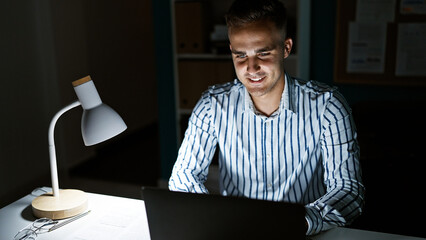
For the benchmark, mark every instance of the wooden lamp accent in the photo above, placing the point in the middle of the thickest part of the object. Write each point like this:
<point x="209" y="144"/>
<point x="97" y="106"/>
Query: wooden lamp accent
<point x="70" y="202"/>
<point x="81" y="81"/>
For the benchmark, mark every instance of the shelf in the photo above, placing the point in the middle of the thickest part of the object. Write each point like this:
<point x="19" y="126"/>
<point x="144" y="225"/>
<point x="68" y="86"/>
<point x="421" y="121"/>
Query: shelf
<point x="212" y="56"/>
<point x="203" y="56"/>
<point x="201" y="63"/>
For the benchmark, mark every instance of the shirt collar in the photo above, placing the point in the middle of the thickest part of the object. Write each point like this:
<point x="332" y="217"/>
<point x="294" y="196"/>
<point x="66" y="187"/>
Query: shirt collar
<point x="287" y="100"/>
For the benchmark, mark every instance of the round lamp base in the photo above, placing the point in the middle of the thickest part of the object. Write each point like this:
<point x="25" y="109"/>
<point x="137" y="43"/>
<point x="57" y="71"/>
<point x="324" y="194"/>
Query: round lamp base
<point x="70" y="202"/>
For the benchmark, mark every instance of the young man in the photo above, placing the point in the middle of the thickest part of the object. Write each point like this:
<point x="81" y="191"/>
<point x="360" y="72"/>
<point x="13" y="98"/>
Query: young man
<point x="280" y="138"/>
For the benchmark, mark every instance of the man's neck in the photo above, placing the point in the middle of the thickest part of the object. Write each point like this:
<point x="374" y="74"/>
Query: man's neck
<point x="269" y="103"/>
<point x="265" y="107"/>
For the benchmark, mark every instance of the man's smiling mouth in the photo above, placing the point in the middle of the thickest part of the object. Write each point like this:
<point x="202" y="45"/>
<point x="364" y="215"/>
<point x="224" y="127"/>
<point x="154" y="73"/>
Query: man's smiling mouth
<point x="256" y="79"/>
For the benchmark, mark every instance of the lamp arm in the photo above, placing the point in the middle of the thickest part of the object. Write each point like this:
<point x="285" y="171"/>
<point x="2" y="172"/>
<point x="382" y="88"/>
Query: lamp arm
<point x="52" y="151"/>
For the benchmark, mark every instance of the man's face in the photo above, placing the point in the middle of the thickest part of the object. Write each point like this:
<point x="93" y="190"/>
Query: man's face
<point x="258" y="51"/>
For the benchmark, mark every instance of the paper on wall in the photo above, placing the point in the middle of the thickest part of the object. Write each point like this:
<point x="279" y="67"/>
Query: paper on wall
<point x="375" y="10"/>
<point x="411" y="50"/>
<point x="413" y="7"/>
<point x="366" y="47"/>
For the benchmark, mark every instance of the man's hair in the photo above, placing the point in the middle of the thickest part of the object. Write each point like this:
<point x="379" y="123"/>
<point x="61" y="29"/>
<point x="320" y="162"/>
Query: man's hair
<point x="243" y="12"/>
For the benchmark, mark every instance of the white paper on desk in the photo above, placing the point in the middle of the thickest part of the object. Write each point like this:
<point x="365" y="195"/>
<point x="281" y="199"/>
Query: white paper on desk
<point x="413" y="7"/>
<point x="116" y="223"/>
<point x="375" y="10"/>
<point x="411" y="50"/>
<point x="366" y="47"/>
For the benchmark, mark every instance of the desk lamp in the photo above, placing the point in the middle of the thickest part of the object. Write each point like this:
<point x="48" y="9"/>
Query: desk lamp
<point x="98" y="123"/>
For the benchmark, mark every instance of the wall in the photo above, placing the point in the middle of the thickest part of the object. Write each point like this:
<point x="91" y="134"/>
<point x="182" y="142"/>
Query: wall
<point x="25" y="100"/>
<point x="390" y="133"/>
<point x="44" y="46"/>
<point x="322" y="61"/>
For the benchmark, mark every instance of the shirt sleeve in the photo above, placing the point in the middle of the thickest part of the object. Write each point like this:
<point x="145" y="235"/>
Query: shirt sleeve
<point x="344" y="198"/>
<point x="196" y="151"/>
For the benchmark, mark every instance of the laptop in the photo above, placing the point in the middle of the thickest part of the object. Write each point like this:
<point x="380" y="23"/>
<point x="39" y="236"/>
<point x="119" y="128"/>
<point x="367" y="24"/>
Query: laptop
<point x="191" y="216"/>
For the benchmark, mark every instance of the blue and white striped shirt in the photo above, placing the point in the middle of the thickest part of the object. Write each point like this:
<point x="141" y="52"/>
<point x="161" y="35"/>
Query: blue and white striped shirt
<point x="305" y="152"/>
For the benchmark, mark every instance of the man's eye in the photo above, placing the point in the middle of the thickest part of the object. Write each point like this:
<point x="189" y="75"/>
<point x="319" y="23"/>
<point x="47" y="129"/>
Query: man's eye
<point x="263" y="54"/>
<point x="241" y="56"/>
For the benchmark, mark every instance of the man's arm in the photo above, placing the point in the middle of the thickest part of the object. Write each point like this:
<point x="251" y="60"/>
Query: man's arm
<point x="196" y="152"/>
<point x="344" y="199"/>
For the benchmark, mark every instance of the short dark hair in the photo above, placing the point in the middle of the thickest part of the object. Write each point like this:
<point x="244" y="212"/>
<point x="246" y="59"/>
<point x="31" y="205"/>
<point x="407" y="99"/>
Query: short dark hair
<point x="243" y="12"/>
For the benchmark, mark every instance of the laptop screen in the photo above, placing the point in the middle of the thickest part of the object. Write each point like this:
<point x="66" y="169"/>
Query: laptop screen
<point x="179" y="216"/>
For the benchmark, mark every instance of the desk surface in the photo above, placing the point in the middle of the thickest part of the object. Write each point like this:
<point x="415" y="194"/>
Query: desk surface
<point x="124" y="218"/>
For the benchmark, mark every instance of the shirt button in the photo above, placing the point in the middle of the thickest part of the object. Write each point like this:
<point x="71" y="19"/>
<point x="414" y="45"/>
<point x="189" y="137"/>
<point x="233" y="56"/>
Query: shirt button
<point x="268" y="155"/>
<point x="269" y="185"/>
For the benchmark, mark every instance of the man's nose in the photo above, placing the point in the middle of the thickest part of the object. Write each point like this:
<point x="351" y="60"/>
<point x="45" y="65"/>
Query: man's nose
<point x="253" y="65"/>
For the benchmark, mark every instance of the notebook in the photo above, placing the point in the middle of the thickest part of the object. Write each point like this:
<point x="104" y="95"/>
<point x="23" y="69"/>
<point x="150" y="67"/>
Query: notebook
<point x="190" y="216"/>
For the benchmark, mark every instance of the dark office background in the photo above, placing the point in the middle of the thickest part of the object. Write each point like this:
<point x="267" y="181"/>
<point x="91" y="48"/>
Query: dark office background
<point x="126" y="47"/>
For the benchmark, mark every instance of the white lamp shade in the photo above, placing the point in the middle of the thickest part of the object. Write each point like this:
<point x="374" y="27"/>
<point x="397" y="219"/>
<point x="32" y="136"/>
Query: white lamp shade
<point x="100" y="123"/>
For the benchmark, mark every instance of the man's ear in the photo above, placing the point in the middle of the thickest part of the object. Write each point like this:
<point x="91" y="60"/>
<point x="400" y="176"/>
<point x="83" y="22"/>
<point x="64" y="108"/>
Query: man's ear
<point x="230" y="47"/>
<point x="288" y="44"/>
